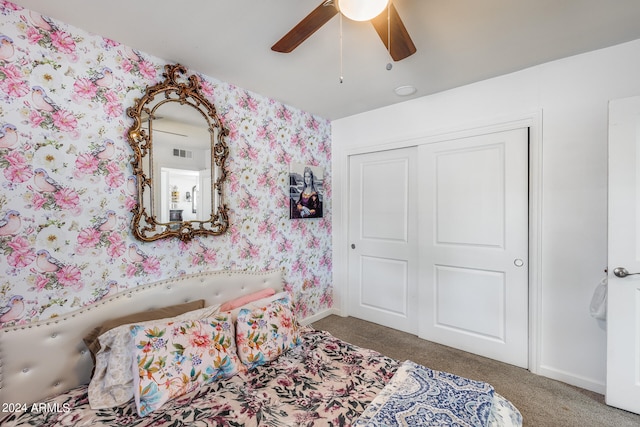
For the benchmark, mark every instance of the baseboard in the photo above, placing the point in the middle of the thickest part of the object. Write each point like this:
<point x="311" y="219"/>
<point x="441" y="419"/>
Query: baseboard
<point x="574" y="380"/>
<point x="321" y="315"/>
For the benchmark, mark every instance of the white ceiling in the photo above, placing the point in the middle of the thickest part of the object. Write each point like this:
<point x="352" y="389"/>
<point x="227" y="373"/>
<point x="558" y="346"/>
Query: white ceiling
<point x="458" y="42"/>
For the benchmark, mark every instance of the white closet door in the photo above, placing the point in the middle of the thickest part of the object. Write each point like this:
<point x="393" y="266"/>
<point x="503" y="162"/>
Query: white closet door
<point x="383" y="239"/>
<point x="473" y="216"/>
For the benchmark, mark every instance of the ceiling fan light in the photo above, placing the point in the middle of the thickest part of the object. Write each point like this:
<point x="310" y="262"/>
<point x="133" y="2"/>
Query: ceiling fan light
<point x="362" y="10"/>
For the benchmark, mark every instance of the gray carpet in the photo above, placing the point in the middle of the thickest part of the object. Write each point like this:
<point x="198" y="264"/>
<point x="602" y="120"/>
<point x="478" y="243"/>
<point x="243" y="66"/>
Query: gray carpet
<point x="541" y="401"/>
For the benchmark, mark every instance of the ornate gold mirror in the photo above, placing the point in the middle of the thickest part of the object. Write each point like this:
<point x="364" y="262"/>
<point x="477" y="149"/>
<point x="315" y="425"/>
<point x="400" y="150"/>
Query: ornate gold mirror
<point x="179" y="156"/>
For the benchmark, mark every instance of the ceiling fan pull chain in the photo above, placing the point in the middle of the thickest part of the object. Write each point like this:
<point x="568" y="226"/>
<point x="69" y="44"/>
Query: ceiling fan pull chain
<point x="389" y="28"/>
<point x="341" y="74"/>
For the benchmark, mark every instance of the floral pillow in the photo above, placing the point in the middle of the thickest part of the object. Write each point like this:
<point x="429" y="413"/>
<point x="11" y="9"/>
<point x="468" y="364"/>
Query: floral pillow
<point x="112" y="381"/>
<point x="175" y="358"/>
<point x="264" y="333"/>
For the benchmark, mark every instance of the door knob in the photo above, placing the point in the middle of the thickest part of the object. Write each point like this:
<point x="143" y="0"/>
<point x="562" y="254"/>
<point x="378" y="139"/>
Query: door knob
<point x="353" y="246"/>
<point x="622" y="272"/>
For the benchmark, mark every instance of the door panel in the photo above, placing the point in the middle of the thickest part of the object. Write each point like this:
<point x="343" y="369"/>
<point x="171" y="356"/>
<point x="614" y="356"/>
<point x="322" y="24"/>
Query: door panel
<point x="375" y="292"/>
<point x="473" y="210"/>
<point x="382" y="235"/>
<point x="470" y="301"/>
<point x="623" y="299"/>
<point x="384" y="185"/>
<point x="468" y="210"/>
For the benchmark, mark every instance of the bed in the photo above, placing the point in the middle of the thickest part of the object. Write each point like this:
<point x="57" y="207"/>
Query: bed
<point x="308" y="378"/>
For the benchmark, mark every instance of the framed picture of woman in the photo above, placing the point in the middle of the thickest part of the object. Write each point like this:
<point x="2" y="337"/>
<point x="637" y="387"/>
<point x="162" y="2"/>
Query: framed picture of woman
<point x="305" y="191"/>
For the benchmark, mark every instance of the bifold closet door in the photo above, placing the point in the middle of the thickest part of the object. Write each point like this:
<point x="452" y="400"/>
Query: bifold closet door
<point x="473" y="222"/>
<point x="383" y="248"/>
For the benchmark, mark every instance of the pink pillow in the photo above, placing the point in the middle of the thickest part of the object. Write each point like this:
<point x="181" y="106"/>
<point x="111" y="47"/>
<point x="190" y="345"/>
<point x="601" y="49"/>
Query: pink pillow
<point x="245" y="299"/>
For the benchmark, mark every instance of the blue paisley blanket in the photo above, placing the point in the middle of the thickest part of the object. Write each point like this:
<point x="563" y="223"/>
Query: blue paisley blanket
<point x="419" y="396"/>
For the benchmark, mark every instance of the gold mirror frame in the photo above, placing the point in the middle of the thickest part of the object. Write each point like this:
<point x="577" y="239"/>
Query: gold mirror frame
<point x="178" y="89"/>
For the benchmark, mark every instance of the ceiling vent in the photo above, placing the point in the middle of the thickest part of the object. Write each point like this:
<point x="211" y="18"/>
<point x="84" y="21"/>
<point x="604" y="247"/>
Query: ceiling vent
<point x="185" y="154"/>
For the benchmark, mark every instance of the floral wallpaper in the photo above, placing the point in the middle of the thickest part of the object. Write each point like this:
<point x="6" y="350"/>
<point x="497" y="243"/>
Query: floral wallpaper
<point x="64" y="172"/>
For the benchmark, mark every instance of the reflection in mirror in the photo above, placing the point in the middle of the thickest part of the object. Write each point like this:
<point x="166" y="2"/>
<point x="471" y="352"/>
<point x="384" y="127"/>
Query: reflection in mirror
<point x="179" y="160"/>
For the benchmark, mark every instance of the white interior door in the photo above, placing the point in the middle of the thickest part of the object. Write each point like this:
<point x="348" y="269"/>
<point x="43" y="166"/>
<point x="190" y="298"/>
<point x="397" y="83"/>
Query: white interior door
<point x="382" y="238"/>
<point x="473" y="210"/>
<point x="203" y="202"/>
<point x="623" y="308"/>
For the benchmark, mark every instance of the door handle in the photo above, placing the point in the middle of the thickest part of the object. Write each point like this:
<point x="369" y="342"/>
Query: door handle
<point x="622" y="272"/>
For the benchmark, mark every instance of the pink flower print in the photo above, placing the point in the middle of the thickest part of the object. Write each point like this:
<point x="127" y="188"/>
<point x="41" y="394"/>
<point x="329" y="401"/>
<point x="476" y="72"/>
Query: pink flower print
<point x="325" y="261"/>
<point x="312" y="123"/>
<point x="116" y="246"/>
<point x="64" y="120"/>
<point x="111" y="97"/>
<point x="284" y="114"/>
<point x="38" y="201"/>
<point x="326" y="299"/>
<point x="36" y="118"/>
<point x="15" y="158"/>
<point x="296" y="141"/>
<point x="11" y="72"/>
<point x="247" y="102"/>
<point x="84" y="88"/>
<point x="235" y="235"/>
<point x="262" y="133"/>
<point x="131" y="270"/>
<point x="89" y="237"/>
<point x="63" y="42"/>
<point x="19" y="244"/>
<point x="69" y="276"/>
<point x="18" y="174"/>
<point x="263" y="227"/>
<point x="147" y="70"/>
<point x="15" y="88"/>
<point x="199" y="339"/>
<point x="114" y="180"/>
<point x="206" y="88"/>
<point x="130" y="203"/>
<point x="113" y="109"/>
<point x="33" y="35"/>
<point x="41" y="282"/>
<point x="21" y="258"/>
<point x="67" y="198"/>
<point x="110" y="43"/>
<point x="210" y="256"/>
<point x="233" y="131"/>
<point x="302" y="309"/>
<point x="299" y="267"/>
<point x="113" y="168"/>
<point x="127" y="66"/>
<point x="234" y="183"/>
<point x="286" y="246"/>
<point x="87" y="163"/>
<point x="151" y="265"/>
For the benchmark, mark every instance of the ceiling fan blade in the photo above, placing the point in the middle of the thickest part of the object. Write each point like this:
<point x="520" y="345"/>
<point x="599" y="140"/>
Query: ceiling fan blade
<point x="309" y="25"/>
<point x="401" y="44"/>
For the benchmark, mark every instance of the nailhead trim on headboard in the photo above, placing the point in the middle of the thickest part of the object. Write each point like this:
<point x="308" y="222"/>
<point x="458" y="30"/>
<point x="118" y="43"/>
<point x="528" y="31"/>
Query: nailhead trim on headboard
<point x="45" y="358"/>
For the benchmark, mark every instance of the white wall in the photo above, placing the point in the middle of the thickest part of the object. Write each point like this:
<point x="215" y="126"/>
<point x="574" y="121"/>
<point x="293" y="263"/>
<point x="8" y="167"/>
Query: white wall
<point x="572" y="97"/>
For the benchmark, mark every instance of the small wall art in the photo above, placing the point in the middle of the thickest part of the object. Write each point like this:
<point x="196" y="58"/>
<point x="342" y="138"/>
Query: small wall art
<point x="305" y="191"/>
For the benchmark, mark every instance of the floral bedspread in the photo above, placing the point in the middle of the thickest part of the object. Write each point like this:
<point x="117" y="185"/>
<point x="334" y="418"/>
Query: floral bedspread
<point x="322" y="382"/>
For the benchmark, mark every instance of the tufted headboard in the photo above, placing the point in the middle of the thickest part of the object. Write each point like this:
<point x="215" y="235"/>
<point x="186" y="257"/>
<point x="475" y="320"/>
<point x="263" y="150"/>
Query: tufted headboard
<point x="49" y="357"/>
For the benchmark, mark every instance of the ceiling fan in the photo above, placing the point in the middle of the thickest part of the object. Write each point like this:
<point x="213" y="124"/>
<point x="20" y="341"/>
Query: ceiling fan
<point x="392" y="31"/>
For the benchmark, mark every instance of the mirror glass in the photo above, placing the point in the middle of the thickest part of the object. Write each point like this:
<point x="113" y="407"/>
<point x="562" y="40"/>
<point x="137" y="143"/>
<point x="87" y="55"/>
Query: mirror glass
<point x="179" y="155"/>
